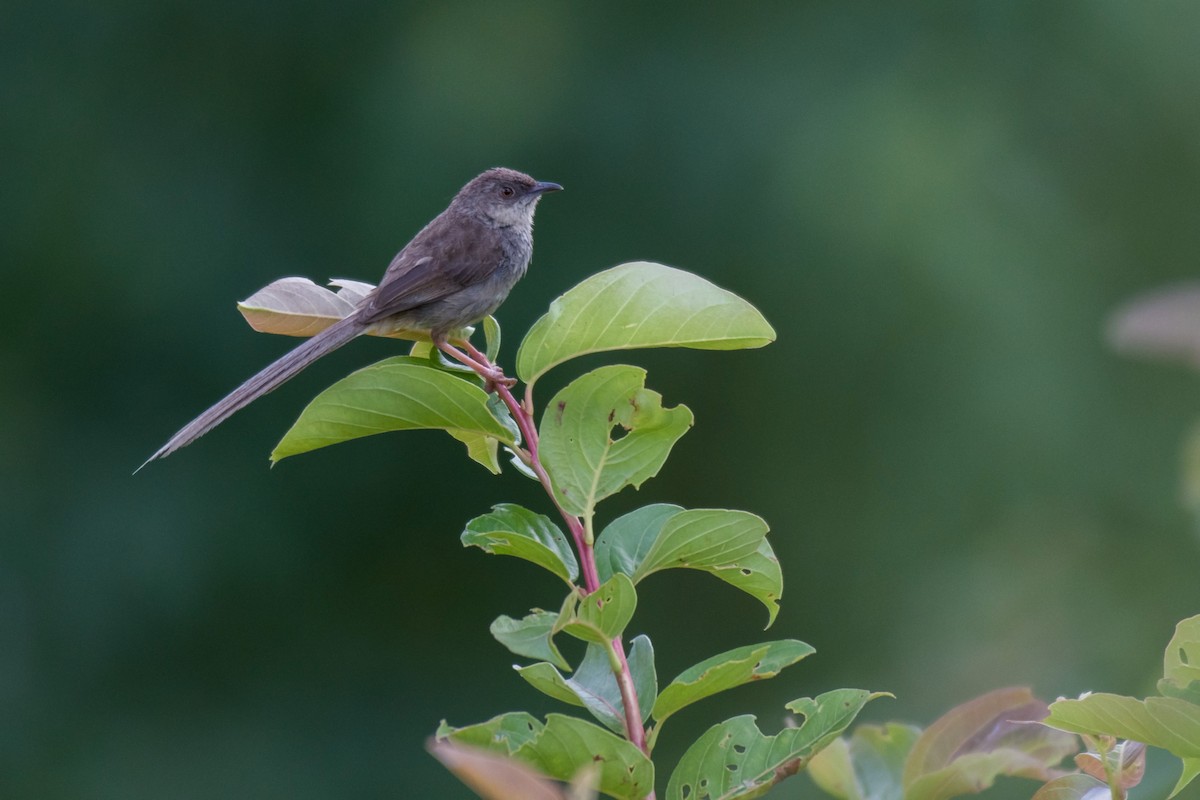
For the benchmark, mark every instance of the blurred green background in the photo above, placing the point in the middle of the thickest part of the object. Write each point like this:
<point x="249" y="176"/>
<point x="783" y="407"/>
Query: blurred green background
<point x="936" y="206"/>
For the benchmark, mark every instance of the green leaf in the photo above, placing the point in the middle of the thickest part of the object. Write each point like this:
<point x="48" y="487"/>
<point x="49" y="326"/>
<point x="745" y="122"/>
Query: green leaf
<point x="505" y="733"/>
<point x="491" y="338"/>
<point x="1181" y="663"/>
<point x="577" y="447"/>
<point x="758" y="575"/>
<point x="622" y="546"/>
<point x="594" y="685"/>
<point x="735" y="760"/>
<point x="713" y="540"/>
<point x="1191" y="768"/>
<point x="549" y="681"/>
<point x="703" y="538"/>
<point x="644" y="673"/>
<point x="727" y="670"/>
<point x="1073" y="787"/>
<point x="1166" y="722"/>
<point x="566" y="745"/>
<point x="511" y="530"/>
<point x="397" y="394"/>
<point x="974" y="743"/>
<point x="481" y="448"/>
<point x="531" y="636"/>
<point x="635" y="305"/>
<point x="867" y="766"/>
<point x="602" y="615"/>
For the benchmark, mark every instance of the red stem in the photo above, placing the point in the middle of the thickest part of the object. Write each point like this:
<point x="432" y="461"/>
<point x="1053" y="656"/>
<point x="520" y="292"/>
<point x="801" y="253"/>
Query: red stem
<point x="523" y="414"/>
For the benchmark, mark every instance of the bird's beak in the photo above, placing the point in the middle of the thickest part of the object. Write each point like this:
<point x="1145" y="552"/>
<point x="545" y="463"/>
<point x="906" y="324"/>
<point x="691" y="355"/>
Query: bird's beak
<point x="541" y="187"/>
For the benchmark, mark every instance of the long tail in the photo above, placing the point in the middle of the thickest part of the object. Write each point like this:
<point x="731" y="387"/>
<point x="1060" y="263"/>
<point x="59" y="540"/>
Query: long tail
<point x="265" y="381"/>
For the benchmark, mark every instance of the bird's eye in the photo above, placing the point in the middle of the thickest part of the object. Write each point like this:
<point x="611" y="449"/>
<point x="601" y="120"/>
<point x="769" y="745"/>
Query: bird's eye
<point x="506" y="191"/>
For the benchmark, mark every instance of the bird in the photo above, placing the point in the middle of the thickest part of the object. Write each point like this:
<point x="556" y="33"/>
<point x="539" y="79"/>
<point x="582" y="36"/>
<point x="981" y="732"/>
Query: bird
<point x="457" y="270"/>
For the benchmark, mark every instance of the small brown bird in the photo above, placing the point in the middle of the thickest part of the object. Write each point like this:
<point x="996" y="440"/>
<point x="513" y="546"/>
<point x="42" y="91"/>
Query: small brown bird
<point x="455" y="272"/>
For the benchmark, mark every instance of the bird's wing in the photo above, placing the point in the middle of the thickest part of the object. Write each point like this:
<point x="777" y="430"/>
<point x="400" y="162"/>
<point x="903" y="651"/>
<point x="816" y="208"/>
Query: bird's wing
<point x="440" y="261"/>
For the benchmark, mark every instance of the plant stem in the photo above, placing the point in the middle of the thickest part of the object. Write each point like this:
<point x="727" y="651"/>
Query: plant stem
<point x="629" y="699"/>
<point x="523" y="414"/>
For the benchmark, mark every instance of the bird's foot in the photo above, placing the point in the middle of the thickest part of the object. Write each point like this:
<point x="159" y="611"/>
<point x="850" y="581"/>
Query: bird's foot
<point x="492" y="375"/>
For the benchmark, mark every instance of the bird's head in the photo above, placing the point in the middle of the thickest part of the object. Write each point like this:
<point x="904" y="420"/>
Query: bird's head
<point x="504" y="197"/>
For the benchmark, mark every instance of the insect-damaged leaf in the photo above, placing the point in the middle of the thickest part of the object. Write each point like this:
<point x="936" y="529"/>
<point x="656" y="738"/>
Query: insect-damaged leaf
<point x="586" y="459"/>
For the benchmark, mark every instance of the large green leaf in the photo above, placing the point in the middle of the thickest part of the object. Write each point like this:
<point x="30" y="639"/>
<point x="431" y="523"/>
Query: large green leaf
<point x="640" y="304"/>
<point x="623" y="544"/>
<point x="602" y="615"/>
<point x="513" y="530"/>
<point x="736" y="761"/>
<point x="532" y="636"/>
<point x="703" y="538"/>
<point x="400" y="393"/>
<point x="594" y="686"/>
<point x="566" y="745"/>
<point x="1166" y="722"/>
<point x="965" y="750"/>
<point x="727" y="670"/>
<point x="869" y="765"/>
<point x="585" y="462"/>
<point x="729" y="545"/>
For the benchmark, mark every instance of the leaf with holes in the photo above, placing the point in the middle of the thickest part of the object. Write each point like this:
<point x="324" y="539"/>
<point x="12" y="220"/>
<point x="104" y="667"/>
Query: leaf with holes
<point x="566" y="745"/>
<point x="585" y="462"/>
<point x="727" y="670"/>
<point x="736" y="761"/>
<point x="531" y="636"/>
<point x="758" y="575"/>
<point x="1181" y="663"/>
<point x="511" y="530"/>
<point x="636" y="305"/>
<point x="868" y="765"/>
<point x="397" y="394"/>
<point x="965" y="750"/>
<point x="594" y="685"/>
<point x="602" y="615"/>
<point x="505" y="733"/>
<point x="703" y="538"/>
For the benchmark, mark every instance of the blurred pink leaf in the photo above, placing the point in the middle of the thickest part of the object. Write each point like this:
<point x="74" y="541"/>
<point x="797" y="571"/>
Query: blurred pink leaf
<point x="1127" y="762"/>
<point x="992" y="735"/>
<point x="493" y="776"/>
<point x="1164" y="323"/>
